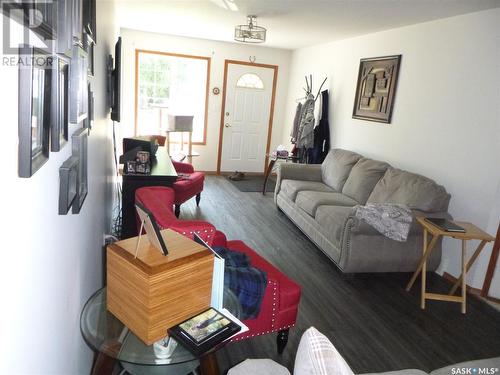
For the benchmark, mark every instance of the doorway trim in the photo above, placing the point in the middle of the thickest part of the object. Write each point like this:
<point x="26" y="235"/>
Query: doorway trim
<point x="223" y="110"/>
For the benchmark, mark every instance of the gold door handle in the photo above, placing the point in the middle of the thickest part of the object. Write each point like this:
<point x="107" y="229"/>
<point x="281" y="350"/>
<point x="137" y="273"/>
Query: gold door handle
<point x="227" y="125"/>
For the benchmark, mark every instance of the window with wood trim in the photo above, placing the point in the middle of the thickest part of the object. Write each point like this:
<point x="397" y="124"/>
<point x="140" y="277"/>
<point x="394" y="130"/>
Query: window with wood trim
<point x="171" y="84"/>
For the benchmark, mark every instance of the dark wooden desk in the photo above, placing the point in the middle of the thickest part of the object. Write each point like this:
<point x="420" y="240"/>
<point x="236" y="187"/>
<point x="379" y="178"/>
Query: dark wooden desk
<point x="162" y="174"/>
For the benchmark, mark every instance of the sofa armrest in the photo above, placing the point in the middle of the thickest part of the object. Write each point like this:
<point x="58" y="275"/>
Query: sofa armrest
<point x="182" y="167"/>
<point x="294" y="171"/>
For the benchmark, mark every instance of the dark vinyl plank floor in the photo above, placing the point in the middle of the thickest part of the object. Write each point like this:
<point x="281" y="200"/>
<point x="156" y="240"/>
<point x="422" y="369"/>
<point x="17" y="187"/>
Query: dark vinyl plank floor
<point x="370" y="318"/>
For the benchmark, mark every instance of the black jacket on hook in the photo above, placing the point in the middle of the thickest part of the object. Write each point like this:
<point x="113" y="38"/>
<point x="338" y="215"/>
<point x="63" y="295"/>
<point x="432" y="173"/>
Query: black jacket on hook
<point x="321" y="133"/>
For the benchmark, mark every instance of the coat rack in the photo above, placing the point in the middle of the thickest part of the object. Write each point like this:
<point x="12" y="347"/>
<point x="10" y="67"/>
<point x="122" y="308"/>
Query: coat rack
<point x="309" y="87"/>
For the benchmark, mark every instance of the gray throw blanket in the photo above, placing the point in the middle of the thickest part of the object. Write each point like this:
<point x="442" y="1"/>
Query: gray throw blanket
<point x="392" y="220"/>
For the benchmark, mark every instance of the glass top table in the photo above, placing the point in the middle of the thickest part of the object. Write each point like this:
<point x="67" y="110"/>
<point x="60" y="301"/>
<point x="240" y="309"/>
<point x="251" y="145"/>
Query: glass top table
<point x="105" y="334"/>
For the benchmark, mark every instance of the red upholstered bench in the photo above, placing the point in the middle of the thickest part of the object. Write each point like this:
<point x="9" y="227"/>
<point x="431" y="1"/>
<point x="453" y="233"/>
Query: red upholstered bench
<point x="281" y="299"/>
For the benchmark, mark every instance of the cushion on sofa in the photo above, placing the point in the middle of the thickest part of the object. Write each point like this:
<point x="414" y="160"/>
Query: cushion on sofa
<point x="331" y="220"/>
<point x="316" y="355"/>
<point x="292" y="187"/>
<point x="309" y="201"/>
<point x="363" y="177"/>
<point x="416" y="191"/>
<point x="337" y="166"/>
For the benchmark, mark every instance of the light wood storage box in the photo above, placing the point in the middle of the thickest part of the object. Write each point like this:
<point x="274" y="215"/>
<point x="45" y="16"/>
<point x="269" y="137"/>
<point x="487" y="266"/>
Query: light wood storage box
<point x="154" y="292"/>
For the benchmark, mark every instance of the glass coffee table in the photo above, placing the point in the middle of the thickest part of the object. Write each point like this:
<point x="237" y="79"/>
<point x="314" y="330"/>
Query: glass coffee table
<point x="112" y="341"/>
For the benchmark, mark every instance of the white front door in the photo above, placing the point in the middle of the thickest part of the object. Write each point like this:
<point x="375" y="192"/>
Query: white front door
<point x="246" y="117"/>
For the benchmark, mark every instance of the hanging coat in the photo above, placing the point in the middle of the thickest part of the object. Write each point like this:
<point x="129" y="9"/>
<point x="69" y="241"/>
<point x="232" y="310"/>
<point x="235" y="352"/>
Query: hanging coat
<point x="321" y="133"/>
<point x="305" y="136"/>
<point x="296" y="123"/>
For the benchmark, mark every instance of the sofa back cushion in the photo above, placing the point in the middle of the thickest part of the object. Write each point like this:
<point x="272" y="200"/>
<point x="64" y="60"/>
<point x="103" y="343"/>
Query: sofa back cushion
<point x="316" y="355"/>
<point x="337" y="166"/>
<point x="416" y="191"/>
<point x="363" y="177"/>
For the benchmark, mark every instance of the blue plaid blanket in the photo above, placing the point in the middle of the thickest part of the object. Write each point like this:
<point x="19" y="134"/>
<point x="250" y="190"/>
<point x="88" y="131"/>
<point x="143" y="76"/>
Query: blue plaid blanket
<point x="246" y="282"/>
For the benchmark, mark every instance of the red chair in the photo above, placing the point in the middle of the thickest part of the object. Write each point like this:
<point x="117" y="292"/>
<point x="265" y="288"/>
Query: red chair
<point x="282" y="296"/>
<point x="189" y="184"/>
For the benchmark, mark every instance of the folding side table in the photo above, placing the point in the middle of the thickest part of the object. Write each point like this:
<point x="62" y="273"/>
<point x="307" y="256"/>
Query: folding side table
<point x="471" y="233"/>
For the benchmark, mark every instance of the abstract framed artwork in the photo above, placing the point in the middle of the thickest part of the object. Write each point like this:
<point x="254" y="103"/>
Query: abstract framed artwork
<point x="59" y="108"/>
<point x="34" y="110"/>
<point x="376" y="88"/>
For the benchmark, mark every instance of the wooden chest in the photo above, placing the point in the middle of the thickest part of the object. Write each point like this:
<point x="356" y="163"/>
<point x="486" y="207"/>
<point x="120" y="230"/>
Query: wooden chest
<point x="154" y="292"/>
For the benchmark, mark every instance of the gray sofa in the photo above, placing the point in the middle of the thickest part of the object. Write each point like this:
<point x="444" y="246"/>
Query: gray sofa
<point x="316" y="355"/>
<point x="320" y="198"/>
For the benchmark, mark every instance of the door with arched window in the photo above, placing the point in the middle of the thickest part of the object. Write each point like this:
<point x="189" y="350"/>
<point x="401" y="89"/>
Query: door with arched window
<point x="246" y="117"/>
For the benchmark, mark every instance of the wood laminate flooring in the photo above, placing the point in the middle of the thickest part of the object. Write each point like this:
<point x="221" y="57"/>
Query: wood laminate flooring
<point x="372" y="321"/>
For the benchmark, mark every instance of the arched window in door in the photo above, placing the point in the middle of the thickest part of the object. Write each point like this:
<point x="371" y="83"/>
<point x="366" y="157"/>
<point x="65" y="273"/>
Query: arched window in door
<point x="250" y="81"/>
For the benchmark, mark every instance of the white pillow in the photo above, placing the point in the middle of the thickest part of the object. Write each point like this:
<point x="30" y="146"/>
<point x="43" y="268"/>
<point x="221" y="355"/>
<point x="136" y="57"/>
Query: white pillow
<point x="316" y="355"/>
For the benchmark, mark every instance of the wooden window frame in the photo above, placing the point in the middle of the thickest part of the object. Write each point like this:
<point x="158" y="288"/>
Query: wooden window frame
<point x="208" y="59"/>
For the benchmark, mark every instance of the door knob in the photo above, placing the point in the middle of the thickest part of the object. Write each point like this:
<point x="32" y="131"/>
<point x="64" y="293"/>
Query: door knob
<point x="227" y="125"/>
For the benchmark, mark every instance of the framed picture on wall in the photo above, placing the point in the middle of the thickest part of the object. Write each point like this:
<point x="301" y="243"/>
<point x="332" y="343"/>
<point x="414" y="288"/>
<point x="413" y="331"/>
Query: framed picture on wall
<point x="34" y="110"/>
<point x="59" y="109"/>
<point x="78" y="105"/>
<point x="79" y="142"/>
<point x="376" y="88"/>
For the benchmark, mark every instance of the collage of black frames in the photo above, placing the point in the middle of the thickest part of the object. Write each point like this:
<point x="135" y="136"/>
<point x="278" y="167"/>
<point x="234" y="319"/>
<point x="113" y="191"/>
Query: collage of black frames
<point x="56" y="101"/>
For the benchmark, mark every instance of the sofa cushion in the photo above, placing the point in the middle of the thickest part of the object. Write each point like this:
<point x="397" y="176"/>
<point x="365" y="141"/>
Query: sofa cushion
<point x="309" y="201"/>
<point x="337" y="166"/>
<point x="331" y="220"/>
<point x="316" y="355"/>
<point x="292" y="187"/>
<point x="490" y="363"/>
<point x="258" y="367"/>
<point x="416" y="191"/>
<point x="363" y="177"/>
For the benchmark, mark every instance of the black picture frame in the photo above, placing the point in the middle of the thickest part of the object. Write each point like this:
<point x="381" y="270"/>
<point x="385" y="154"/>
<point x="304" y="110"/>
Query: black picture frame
<point x="42" y="18"/>
<point x="79" y="144"/>
<point x="78" y="100"/>
<point x="68" y="175"/>
<point x="376" y="88"/>
<point x="34" y="110"/>
<point x="89" y="121"/>
<point x="89" y="19"/>
<point x="59" y="111"/>
<point x="76" y="20"/>
<point x="64" y="41"/>
<point x="151" y="228"/>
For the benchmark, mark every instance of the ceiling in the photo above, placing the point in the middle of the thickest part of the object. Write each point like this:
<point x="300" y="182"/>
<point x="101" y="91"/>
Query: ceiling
<point x="290" y="23"/>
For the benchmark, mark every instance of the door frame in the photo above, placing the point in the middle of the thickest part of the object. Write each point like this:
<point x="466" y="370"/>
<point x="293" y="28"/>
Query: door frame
<point x="223" y="110"/>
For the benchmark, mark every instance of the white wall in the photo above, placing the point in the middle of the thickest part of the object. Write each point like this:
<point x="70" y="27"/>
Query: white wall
<point x="218" y="52"/>
<point x="445" y="122"/>
<point x="51" y="263"/>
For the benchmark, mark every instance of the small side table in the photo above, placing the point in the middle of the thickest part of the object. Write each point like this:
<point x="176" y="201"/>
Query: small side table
<point x="272" y="161"/>
<point x="471" y="233"/>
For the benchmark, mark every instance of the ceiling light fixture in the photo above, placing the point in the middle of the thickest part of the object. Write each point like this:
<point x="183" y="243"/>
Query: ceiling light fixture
<point x="250" y="33"/>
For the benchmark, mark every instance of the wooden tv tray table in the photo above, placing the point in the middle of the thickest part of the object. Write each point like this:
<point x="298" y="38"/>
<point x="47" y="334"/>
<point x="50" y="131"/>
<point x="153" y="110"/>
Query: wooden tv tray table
<point x="471" y="233"/>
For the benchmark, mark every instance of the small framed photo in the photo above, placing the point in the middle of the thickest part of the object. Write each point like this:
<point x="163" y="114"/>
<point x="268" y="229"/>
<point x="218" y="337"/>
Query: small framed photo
<point x="151" y="227"/>
<point x="130" y="166"/>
